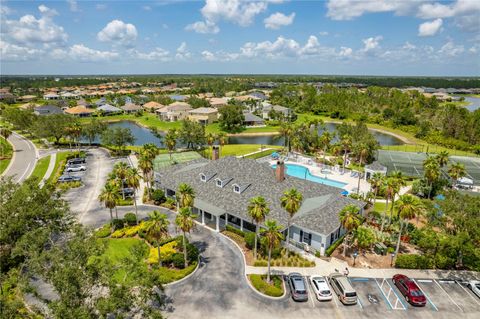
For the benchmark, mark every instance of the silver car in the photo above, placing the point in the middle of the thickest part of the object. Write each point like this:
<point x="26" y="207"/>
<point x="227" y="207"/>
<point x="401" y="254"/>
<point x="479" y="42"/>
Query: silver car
<point x="342" y="287"/>
<point x="474" y="286"/>
<point x="298" y="288"/>
<point x="76" y="168"/>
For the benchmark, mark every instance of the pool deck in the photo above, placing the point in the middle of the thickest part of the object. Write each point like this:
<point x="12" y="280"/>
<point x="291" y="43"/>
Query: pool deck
<point x="332" y="173"/>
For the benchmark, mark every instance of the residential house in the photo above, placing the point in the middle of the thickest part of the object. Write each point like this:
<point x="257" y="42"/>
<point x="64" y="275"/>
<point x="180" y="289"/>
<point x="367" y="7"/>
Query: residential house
<point x="203" y="115"/>
<point x="176" y="111"/>
<point x="268" y="109"/>
<point x="108" y="109"/>
<point x="51" y="96"/>
<point x="178" y="98"/>
<point x="223" y="189"/>
<point x="131" y="108"/>
<point x="80" y="111"/>
<point x="26" y="98"/>
<point x="252" y="120"/>
<point x="218" y="102"/>
<point x="47" y="110"/>
<point x="152" y="106"/>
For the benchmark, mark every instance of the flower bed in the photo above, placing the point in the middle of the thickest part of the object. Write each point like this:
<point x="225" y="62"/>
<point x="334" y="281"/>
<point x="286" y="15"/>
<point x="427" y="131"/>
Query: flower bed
<point x="273" y="289"/>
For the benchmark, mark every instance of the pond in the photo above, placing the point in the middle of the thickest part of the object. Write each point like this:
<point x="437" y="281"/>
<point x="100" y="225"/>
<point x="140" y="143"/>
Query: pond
<point x="143" y="136"/>
<point x="474" y="103"/>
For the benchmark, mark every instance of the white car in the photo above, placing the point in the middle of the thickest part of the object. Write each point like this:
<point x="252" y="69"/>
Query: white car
<point x="76" y="168"/>
<point x="321" y="288"/>
<point x="474" y="286"/>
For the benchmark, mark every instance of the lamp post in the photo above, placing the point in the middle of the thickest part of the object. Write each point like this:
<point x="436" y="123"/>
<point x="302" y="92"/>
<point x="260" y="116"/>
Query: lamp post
<point x="391" y="261"/>
<point x="355" y="255"/>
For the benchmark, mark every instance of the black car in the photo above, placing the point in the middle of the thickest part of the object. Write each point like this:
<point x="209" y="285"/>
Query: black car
<point x="66" y="179"/>
<point x="76" y="161"/>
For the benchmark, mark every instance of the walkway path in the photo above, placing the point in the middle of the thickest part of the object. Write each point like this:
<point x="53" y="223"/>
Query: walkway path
<point x="24" y="158"/>
<point x="51" y="166"/>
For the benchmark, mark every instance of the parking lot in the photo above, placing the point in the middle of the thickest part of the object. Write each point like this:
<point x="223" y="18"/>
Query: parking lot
<point x="379" y="297"/>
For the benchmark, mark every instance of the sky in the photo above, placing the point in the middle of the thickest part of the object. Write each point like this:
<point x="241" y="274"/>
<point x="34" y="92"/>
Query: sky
<point x="337" y="37"/>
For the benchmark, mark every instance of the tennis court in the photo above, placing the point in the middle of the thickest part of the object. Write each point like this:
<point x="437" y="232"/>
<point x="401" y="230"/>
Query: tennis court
<point x="163" y="160"/>
<point x="411" y="163"/>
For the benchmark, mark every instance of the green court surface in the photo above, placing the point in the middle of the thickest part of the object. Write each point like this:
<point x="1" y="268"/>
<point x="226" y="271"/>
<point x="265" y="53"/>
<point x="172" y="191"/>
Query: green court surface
<point x="163" y="160"/>
<point x="411" y="163"/>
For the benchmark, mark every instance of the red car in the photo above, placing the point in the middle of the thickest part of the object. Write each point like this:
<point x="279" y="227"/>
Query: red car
<point x="410" y="290"/>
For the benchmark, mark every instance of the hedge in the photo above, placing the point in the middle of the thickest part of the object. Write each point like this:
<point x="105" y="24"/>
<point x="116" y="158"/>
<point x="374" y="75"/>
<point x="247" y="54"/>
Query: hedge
<point x="235" y="230"/>
<point x="334" y="246"/>
<point x="411" y="261"/>
<point x="274" y="289"/>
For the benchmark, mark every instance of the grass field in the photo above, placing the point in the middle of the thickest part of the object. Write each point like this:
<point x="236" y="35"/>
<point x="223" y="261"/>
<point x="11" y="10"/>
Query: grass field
<point x="6" y="152"/>
<point x="41" y="167"/>
<point x="238" y="149"/>
<point x="59" y="165"/>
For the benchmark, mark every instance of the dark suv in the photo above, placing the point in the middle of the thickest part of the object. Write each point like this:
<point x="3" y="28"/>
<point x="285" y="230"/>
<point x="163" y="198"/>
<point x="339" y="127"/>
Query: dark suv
<point x="298" y="288"/>
<point x="76" y="161"/>
<point x="66" y="178"/>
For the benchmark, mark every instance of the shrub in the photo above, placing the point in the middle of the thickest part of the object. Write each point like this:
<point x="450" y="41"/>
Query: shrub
<point x="178" y="260"/>
<point x="411" y="261"/>
<point x="317" y="254"/>
<point x="119" y="233"/>
<point x="260" y="263"/>
<point x="167" y="275"/>
<point x="192" y="253"/>
<point x="166" y="252"/>
<point x="235" y="230"/>
<point x="117" y="223"/>
<point x="444" y="262"/>
<point x="390" y="250"/>
<point x="103" y="232"/>
<point x="274" y="289"/>
<point x="132" y="231"/>
<point x="250" y="240"/>
<point x="130" y="219"/>
<point x="158" y="196"/>
<point x="334" y="246"/>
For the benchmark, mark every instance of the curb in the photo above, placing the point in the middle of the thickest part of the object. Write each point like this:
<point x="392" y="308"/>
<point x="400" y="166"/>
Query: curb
<point x="248" y="279"/>
<point x="186" y="277"/>
<point x="11" y="159"/>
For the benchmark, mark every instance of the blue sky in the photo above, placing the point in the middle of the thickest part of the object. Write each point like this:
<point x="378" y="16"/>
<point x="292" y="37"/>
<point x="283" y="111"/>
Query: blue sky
<point x="381" y="37"/>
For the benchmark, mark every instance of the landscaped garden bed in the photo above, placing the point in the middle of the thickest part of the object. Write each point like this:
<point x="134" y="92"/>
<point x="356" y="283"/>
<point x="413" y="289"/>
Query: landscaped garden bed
<point x="273" y="289"/>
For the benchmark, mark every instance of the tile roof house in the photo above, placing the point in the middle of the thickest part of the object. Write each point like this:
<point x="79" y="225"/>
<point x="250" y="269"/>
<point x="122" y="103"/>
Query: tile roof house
<point x="223" y="189"/>
<point x="47" y="110"/>
<point x="176" y="111"/>
<point x="152" y="106"/>
<point x="203" y="115"/>
<point x="80" y="111"/>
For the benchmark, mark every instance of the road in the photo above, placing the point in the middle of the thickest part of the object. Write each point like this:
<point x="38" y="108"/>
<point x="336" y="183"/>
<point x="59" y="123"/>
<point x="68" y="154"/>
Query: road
<point x="24" y="158"/>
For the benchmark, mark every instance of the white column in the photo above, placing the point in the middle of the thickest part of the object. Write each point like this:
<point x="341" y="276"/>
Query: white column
<point x="226" y="219"/>
<point x="241" y="224"/>
<point x="217" y="225"/>
<point x="203" y="217"/>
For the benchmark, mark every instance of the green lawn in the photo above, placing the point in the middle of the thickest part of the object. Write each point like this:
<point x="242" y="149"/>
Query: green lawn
<point x="6" y="152"/>
<point x="41" y="167"/>
<point x="238" y="149"/>
<point x="59" y="165"/>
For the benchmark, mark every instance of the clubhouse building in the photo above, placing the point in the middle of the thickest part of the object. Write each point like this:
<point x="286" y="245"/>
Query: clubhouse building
<point x="223" y="189"/>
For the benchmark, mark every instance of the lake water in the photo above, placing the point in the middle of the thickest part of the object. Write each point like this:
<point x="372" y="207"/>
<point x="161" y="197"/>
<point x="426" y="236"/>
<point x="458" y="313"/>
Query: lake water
<point x="143" y="136"/>
<point x="474" y="103"/>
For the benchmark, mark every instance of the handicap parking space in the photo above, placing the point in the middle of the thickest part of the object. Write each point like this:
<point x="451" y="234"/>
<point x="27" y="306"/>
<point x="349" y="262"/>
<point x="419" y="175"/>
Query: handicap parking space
<point x="370" y="296"/>
<point x="460" y="295"/>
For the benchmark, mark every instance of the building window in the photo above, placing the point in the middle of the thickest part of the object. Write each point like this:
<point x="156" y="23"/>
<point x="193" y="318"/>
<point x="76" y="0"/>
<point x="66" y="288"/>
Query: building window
<point x="219" y="183"/>
<point x="307" y="238"/>
<point x="236" y="189"/>
<point x="203" y="178"/>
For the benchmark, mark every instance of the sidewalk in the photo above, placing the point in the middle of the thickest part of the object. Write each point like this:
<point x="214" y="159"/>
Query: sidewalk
<point x="51" y="166"/>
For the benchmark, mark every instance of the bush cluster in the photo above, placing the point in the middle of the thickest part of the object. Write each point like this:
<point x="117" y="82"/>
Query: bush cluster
<point x="250" y="240"/>
<point x="412" y="261"/>
<point x="235" y="230"/>
<point x="274" y="289"/>
<point x="334" y="246"/>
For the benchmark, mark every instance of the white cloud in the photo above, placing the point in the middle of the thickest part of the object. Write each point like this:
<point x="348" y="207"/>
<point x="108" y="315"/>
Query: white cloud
<point x="147" y="8"/>
<point x="236" y="11"/>
<point x="182" y="52"/>
<point x="118" y="32"/>
<point x="451" y="49"/>
<point x="323" y="33"/>
<point x="345" y="52"/>
<point x="4" y="10"/>
<point x="371" y="44"/>
<point x="13" y="52"/>
<point x="100" y="6"/>
<point x="158" y="54"/>
<point x="203" y="27"/>
<point x="209" y="56"/>
<point x="31" y="31"/>
<point x="430" y="28"/>
<point x="82" y="53"/>
<point x="277" y="20"/>
<point x="350" y="9"/>
<point x="73" y="5"/>
<point x="435" y="10"/>
<point x="408" y="46"/>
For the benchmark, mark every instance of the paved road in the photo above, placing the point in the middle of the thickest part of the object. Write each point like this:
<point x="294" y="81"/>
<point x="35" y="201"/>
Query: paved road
<point x="24" y="158"/>
<point x="219" y="289"/>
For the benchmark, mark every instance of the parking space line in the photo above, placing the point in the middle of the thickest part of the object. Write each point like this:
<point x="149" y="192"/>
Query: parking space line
<point x="358" y="298"/>
<point x="426" y="296"/>
<point x="461" y="309"/>
<point x="383" y="294"/>
<point x="470" y="294"/>
<point x="398" y="298"/>
<point x="312" y="292"/>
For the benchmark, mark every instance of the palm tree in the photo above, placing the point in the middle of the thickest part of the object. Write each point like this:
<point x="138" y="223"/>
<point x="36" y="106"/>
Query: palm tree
<point x="258" y="210"/>
<point x="133" y="180"/>
<point x="457" y="171"/>
<point x="171" y="141"/>
<point x="431" y="171"/>
<point x="286" y="129"/>
<point x="109" y="197"/>
<point x="185" y="222"/>
<point x="186" y="195"/>
<point x="399" y="181"/>
<point x="157" y="228"/>
<point x="325" y="140"/>
<point x="408" y="206"/>
<point x="442" y="158"/>
<point x="376" y="183"/>
<point x="76" y="132"/>
<point x="150" y="150"/>
<point x="210" y="138"/>
<point x="273" y="236"/>
<point x="121" y="170"/>
<point x="146" y="165"/>
<point x="362" y="152"/>
<point x="291" y="202"/>
<point x="222" y="140"/>
<point x="346" y="143"/>
<point x="389" y="191"/>
<point x="349" y="219"/>
<point x="5" y="132"/>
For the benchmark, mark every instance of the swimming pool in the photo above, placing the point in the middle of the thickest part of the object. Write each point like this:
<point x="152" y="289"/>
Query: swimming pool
<point x="304" y="173"/>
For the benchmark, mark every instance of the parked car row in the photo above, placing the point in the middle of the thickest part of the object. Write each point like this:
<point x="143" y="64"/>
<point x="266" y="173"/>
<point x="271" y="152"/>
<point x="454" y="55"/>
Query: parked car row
<point x="73" y="165"/>
<point x="338" y="284"/>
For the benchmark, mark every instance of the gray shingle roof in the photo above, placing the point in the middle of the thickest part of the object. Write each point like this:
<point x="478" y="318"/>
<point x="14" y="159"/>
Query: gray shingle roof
<point x="319" y="211"/>
<point x="109" y="108"/>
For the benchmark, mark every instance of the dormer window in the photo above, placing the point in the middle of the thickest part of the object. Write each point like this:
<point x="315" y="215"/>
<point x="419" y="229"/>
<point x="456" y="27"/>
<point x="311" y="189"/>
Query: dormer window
<point x="236" y="189"/>
<point x="222" y="182"/>
<point x="219" y="183"/>
<point x="240" y="188"/>
<point x="205" y="177"/>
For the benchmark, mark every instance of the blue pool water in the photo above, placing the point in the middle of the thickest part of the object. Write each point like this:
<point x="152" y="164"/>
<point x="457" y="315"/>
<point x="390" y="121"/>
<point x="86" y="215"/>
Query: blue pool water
<point x="304" y="173"/>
